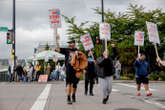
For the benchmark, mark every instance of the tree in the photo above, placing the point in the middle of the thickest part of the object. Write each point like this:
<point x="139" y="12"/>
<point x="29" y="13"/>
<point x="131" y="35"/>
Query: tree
<point x="123" y="26"/>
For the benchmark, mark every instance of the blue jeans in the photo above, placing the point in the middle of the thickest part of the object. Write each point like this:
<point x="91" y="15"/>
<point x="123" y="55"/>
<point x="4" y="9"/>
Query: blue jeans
<point x="10" y="77"/>
<point x="55" y="76"/>
<point x="20" y="78"/>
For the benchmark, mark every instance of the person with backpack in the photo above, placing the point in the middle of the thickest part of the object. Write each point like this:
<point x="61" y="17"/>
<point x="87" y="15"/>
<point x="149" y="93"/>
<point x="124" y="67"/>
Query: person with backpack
<point x="142" y="74"/>
<point x="105" y="74"/>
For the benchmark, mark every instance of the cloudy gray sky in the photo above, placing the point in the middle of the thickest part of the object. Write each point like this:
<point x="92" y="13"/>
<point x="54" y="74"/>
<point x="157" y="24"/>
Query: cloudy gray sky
<point x="32" y="23"/>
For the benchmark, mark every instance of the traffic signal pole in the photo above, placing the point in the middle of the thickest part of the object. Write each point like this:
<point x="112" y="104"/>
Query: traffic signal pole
<point x="102" y="8"/>
<point x="14" y="35"/>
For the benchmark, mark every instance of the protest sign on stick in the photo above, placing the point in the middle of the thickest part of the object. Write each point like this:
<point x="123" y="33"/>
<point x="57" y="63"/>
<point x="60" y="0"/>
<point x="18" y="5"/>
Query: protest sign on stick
<point x="105" y="32"/>
<point x="153" y="35"/>
<point x="139" y="40"/>
<point x="87" y="42"/>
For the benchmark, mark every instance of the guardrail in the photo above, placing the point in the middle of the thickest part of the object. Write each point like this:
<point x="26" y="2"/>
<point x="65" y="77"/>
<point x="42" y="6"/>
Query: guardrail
<point x="4" y="75"/>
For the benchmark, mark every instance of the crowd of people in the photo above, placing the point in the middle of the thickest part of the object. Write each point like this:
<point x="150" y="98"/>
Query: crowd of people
<point x="30" y="72"/>
<point x="102" y="70"/>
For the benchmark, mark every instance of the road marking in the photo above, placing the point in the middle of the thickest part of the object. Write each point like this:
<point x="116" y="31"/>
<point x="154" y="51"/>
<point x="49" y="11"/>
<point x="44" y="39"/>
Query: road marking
<point x="155" y="103"/>
<point x="133" y="86"/>
<point x="115" y="90"/>
<point x="42" y="99"/>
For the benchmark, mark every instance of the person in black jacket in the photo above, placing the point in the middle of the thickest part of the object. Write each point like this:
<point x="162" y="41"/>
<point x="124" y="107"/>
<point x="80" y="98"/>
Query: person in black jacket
<point x="105" y="74"/>
<point x="90" y="73"/>
<point x="20" y="71"/>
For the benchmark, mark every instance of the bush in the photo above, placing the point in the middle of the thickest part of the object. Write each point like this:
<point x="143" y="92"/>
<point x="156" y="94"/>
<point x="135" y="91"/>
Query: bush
<point x="162" y="76"/>
<point x="154" y="76"/>
<point x="129" y="76"/>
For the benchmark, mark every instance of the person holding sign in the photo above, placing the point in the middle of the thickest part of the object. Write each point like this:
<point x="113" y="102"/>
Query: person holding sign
<point x="71" y="79"/>
<point x="90" y="73"/>
<point x="142" y="74"/>
<point x="105" y="74"/>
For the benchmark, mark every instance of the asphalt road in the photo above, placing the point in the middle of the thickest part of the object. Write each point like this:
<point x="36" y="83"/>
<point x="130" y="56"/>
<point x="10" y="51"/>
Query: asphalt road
<point x="52" y="96"/>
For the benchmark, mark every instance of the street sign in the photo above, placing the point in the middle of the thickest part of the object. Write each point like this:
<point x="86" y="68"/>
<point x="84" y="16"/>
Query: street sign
<point x="4" y="29"/>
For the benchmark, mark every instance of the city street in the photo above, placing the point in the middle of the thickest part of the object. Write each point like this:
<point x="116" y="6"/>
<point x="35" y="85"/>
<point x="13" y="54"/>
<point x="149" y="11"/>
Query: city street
<point x="52" y="96"/>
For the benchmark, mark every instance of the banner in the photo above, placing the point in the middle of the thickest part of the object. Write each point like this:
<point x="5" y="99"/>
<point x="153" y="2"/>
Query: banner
<point x="139" y="38"/>
<point x="43" y="78"/>
<point x="55" y="18"/>
<point x="153" y="32"/>
<point x="87" y="42"/>
<point x="105" y="31"/>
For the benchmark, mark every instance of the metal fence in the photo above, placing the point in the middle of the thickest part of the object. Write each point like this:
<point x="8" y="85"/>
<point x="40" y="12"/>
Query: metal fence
<point x="4" y="75"/>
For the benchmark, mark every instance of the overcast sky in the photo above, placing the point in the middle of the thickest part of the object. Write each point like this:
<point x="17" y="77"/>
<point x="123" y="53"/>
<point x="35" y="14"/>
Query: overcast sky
<point x="32" y="22"/>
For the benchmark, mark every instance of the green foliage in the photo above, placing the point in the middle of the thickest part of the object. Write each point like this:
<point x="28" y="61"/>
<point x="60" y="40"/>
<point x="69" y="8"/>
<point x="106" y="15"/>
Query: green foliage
<point x="154" y="76"/>
<point x="123" y="26"/>
<point x="47" y="47"/>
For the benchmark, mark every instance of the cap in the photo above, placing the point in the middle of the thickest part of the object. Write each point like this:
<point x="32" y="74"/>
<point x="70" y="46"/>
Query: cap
<point x="71" y="41"/>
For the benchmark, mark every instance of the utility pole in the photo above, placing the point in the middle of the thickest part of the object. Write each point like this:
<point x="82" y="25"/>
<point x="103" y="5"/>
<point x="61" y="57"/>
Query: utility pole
<point x="14" y="35"/>
<point x="102" y="8"/>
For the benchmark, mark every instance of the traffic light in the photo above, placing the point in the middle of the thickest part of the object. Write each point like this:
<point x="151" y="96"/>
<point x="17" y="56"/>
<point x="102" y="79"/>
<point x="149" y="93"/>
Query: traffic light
<point x="98" y="41"/>
<point x="9" y="38"/>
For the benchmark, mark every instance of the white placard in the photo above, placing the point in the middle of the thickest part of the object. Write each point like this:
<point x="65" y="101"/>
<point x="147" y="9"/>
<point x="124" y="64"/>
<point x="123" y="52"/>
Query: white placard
<point x="139" y="38"/>
<point x="153" y="32"/>
<point x="55" y="18"/>
<point x="105" y="31"/>
<point x="87" y="42"/>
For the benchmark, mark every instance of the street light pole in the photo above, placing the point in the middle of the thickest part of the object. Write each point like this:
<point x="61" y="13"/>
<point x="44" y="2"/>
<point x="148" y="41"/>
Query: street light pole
<point x="14" y="35"/>
<point x="102" y="8"/>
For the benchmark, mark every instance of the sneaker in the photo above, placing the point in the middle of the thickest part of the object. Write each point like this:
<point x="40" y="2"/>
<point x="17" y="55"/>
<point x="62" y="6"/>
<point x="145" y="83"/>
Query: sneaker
<point x="148" y="94"/>
<point x="107" y="98"/>
<point x="104" y="101"/>
<point x="73" y="98"/>
<point x="91" y="94"/>
<point x="138" y="94"/>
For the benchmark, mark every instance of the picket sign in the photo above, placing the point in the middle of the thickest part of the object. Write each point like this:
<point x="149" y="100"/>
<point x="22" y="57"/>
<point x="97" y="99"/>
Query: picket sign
<point x="105" y="32"/>
<point x="87" y="42"/>
<point x="153" y="35"/>
<point x="43" y="78"/>
<point x="139" y="40"/>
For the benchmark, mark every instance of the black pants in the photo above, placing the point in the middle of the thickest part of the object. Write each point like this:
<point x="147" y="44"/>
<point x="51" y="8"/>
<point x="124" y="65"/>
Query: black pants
<point x="87" y="82"/>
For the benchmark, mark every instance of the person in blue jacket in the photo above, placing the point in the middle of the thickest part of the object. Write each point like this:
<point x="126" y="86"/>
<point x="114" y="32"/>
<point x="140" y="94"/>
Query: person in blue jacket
<point x="142" y="74"/>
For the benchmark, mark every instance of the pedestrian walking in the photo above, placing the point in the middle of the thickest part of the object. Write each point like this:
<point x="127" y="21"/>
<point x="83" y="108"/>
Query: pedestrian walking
<point x="142" y="74"/>
<point x="105" y="74"/>
<point x="71" y="79"/>
<point x="117" y="69"/>
<point x="90" y="74"/>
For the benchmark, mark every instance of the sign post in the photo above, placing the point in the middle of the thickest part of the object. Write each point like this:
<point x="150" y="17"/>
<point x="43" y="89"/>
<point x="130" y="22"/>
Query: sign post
<point x="139" y="40"/>
<point x="105" y="32"/>
<point x="153" y="35"/>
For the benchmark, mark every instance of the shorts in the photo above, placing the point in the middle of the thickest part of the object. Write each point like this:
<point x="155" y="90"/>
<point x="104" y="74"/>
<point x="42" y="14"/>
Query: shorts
<point x="142" y="80"/>
<point x="71" y="77"/>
